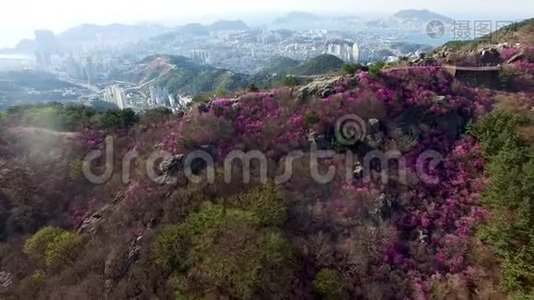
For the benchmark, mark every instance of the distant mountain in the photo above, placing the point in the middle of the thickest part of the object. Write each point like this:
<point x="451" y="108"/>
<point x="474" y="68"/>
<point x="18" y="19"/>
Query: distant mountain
<point x="297" y="16"/>
<point x="421" y="15"/>
<point x="228" y="25"/>
<point x="111" y="32"/>
<point x="195" y="29"/>
<point x="25" y="45"/>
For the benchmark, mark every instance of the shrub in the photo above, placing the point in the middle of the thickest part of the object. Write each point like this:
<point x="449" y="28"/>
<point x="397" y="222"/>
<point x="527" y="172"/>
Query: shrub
<point x="204" y="129"/>
<point x="311" y="119"/>
<point x="328" y="284"/>
<point x="53" y="245"/>
<point x="63" y="249"/>
<point x="289" y="81"/>
<point x="265" y="201"/>
<point x="38" y="276"/>
<point x="252" y="88"/>
<point x="225" y="248"/>
<point x="167" y="247"/>
<point x="350" y="69"/>
<point x="155" y="115"/>
<point x="375" y="68"/>
<point x="37" y="243"/>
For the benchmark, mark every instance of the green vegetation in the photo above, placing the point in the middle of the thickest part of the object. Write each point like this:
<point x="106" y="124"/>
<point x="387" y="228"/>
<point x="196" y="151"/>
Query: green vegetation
<point x="155" y="115"/>
<point x="375" y="68"/>
<point x="328" y="284"/>
<point x="321" y="64"/>
<point x="252" y="88"/>
<point x="54" y="246"/>
<point x="289" y="81"/>
<point x="67" y="117"/>
<point x="236" y="248"/>
<point x="350" y="68"/>
<point x="510" y="228"/>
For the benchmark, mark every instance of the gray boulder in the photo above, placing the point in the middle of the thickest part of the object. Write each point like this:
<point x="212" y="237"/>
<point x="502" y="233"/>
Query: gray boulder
<point x="173" y="165"/>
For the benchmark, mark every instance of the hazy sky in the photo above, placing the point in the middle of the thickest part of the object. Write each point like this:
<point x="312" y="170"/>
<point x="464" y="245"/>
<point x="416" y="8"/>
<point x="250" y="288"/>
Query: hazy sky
<point x="18" y="18"/>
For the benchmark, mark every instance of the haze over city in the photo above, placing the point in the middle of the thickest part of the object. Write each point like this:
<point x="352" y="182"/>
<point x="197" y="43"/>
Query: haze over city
<point x="18" y="19"/>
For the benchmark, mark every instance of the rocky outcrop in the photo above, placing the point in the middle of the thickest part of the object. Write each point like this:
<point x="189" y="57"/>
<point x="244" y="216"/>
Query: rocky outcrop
<point x="490" y="56"/>
<point x="173" y="165"/>
<point x="119" y="262"/>
<point x="383" y="207"/>
<point x="6" y="279"/>
<point x="323" y="87"/>
<point x="89" y="225"/>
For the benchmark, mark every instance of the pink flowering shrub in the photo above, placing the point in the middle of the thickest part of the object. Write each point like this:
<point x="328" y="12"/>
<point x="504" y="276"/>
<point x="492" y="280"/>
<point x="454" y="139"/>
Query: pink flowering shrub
<point x="93" y="139"/>
<point x="507" y="53"/>
<point x="440" y="217"/>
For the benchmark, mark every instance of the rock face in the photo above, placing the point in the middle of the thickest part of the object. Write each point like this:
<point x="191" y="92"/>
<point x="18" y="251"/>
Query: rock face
<point x="383" y="207"/>
<point x="118" y="262"/>
<point x="173" y="165"/>
<point x="490" y="56"/>
<point x="90" y="224"/>
<point x="176" y="164"/>
<point x="322" y="87"/>
<point x="6" y="279"/>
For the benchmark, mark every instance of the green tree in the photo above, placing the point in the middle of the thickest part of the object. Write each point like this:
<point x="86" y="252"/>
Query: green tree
<point x="509" y="194"/>
<point x="236" y="248"/>
<point x="289" y="81"/>
<point x="54" y="246"/>
<point x="350" y="68"/>
<point x="328" y="284"/>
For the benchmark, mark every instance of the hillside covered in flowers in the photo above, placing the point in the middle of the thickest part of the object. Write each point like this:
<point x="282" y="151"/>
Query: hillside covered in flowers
<point x="430" y="194"/>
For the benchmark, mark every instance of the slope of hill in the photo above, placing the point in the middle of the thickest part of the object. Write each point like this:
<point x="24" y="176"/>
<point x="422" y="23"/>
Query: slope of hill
<point x="352" y="236"/>
<point x="321" y="64"/>
<point x="424" y="193"/>
<point x="521" y="32"/>
<point x="182" y="75"/>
